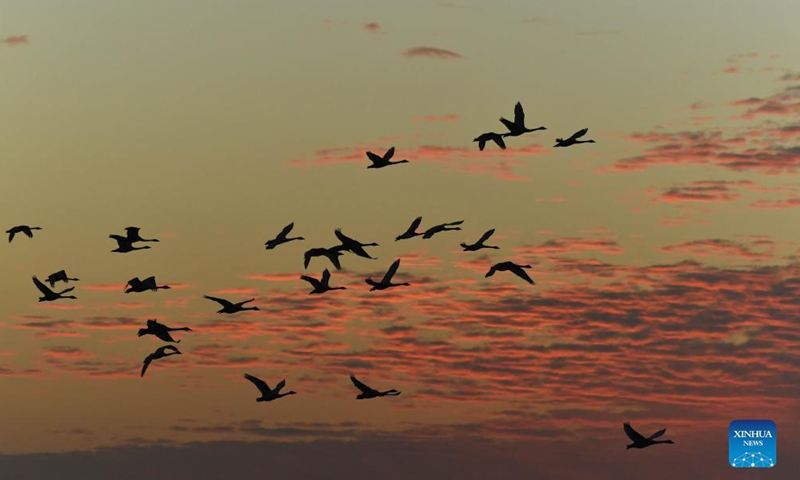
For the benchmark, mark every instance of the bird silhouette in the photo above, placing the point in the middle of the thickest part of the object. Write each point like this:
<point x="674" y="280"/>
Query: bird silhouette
<point x="411" y="232"/>
<point x="639" y="441"/>
<point x="133" y="235"/>
<point x="490" y="137"/>
<point x="149" y="283"/>
<point x="322" y="285"/>
<point x="161" y="331"/>
<point x="49" y="295"/>
<point x="560" y="142"/>
<point x="368" y="392"/>
<point x="160" y="352"/>
<point x="380" y="162"/>
<point x="124" y="245"/>
<point x="230" y="307"/>
<point x="386" y="281"/>
<point x="21" y="229"/>
<point x="59" y="276"/>
<point x="445" y="227"/>
<point x="479" y="244"/>
<point x="331" y="254"/>
<point x="268" y="394"/>
<point x="517" y="127"/>
<point x="354" y="246"/>
<point x="513" y="268"/>
<point x="282" y="237"/>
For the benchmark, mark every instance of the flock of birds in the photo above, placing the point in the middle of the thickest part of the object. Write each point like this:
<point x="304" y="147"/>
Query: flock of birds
<point x="128" y="243"/>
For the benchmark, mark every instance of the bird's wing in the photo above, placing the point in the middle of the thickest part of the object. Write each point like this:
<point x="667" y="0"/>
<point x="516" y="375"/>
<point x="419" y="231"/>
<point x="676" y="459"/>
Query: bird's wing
<point x="499" y="141"/>
<point x="508" y="123"/>
<point x="313" y="281"/>
<point x="334" y="258"/>
<point x="578" y="134"/>
<point x="415" y="225"/>
<point x="147" y="361"/>
<point x="260" y="384"/>
<point x="11" y="234"/>
<point x="132" y="232"/>
<point x="153" y="323"/>
<point x="42" y="287"/>
<point x="28" y="232"/>
<point x="342" y="237"/>
<point x="167" y="347"/>
<point x="522" y="274"/>
<point x="481" y="144"/>
<point x="361" y="386"/>
<point x="449" y="224"/>
<point x="221" y="301"/>
<point x="389" y="154"/>
<point x="279" y="386"/>
<point x="658" y="433"/>
<point x="375" y="159"/>
<point x="486" y="236"/>
<point x="390" y="273"/>
<point x="633" y="434"/>
<point x="491" y="271"/>
<point x="286" y="230"/>
<point x="519" y="114"/>
<point x="120" y="240"/>
<point x="326" y="276"/>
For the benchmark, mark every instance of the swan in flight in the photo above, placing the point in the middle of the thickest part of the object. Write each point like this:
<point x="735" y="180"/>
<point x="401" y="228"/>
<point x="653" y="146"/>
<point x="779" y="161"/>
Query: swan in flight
<point x="445" y="227"/>
<point x="386" y="281"/>
<point x="268" y="394"/>
<point x="411" y="232"/>
<point x="517" y="127"/>
<point x="230" y="307"/>
<point x="380" y="162"/>
<point x="331" y="254"/>
<point x="50" y="295"/>
<point x="161" y="331"/>
<point x="368" y="392"/>
<point x="124" y="245"/>
<point x="479" y="244"/>
<point x="560" y="142"/>
<point x="21" y="229"/>
<point x="354" y="246"/>
<point x="160" y="352"/>
<point x="133" y="235"/>
<point x="282" y="238"/>
<point x="148" y="283"/>
<point x="639" y="441"/>
<point x="513" y="268"/>
<point x="490" y="137"/>
<point x="59" y="276"/>
<point x="322" y="285"/>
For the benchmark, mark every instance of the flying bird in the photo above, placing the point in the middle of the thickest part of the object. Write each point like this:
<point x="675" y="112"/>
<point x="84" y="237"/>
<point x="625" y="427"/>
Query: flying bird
<point x="49" y="295"/>
<point x="560" y="142"/>
<point x="148" y="283"/>
<point x="21" y="229"/>
<point x="60" y="276"/>
<point x="380" y="162"/>
<point x="445" y="227"/>
<point x="133" y="235"/>
<point x="368" y="392"/>
<point x="230" y="307"/>
<point x="354" y="246"/>
<point x="513" y="268"/>
<point x="268" y="394"/>
<point x="331" y="254"/>
<point x="322" y="285"/>
<point x="479" y="244"/>
<point x="160" y="352"/>
<point x="490" y="137"/>
<point x="161" y="331"/>
<point x="124" y="245"/>
<point x="411" y="232"/>
<point x="386" y="281"/>
<point x="639" y="441"/>
<point x="517" y="127"/>
<point x="282" y="237"/>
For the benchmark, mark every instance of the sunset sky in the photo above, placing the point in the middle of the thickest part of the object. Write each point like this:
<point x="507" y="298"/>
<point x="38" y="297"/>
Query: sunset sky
<point x="666" y="255"/>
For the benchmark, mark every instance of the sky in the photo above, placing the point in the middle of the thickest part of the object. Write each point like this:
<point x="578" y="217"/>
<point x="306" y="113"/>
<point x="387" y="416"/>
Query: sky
<point x="665" y="255"/>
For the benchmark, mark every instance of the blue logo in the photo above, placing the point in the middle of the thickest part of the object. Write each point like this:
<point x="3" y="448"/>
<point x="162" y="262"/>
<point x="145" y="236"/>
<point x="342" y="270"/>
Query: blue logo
<point x="752" y="444"/>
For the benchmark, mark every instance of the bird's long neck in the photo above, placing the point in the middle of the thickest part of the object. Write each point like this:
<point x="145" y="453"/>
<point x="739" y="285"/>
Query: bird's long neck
<point x="179" y="329"/>
<point x="662" y="441"/>
<point x="287" y="393"/>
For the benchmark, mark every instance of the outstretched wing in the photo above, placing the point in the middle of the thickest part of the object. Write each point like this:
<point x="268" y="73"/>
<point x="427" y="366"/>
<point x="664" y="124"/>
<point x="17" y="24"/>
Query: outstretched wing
<point x="578" y="134"/>
<point x="375" y="158"/>
<point x="519" y="114"/>
<point x="508" y="123"/>
<point x="389" y="154"/>
<point x="42" y="287"/>
<point x="658" y="433"/>
<point x="279" y="386"/>
<point x="518" y="271"/>
<point x="415" y="224"/>
<point x="153" y="323"/>
<point x="147" y="361"/>
<point x="221" y="301"/>
<point x="326" y="276"/>
<point x="485" y="236"/>
<point x="286" y="230"/>
<point x="313" y="281"/>
<point x="121" y="241"/>
<point x="342" y="237"/>
<point x="260" y="384"/>
<point x="390" y="273"/>
<point x="28" y="232"/>
<point x="633" y="434"/>
<point x="361" y="386"/>
<point x="499" y="141"/>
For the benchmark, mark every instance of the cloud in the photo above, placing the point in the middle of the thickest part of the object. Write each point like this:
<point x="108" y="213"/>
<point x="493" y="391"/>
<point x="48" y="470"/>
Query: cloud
<point x="699" y="105"/>
<point x="726" y="248"/>
<point x="15" y="40"/>
<point x="705" y="191"/>
<point x="432" y="52"/>
<point x="436" y="119"/>
<point x="373" y="27"/>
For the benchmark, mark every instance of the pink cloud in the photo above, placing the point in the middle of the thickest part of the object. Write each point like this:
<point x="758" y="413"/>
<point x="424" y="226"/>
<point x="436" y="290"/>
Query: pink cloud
<point x="431" y="52"/>
<point x="436" y="118"/>
<point x="14" y="40"/>
<point x="372" y="27"/>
